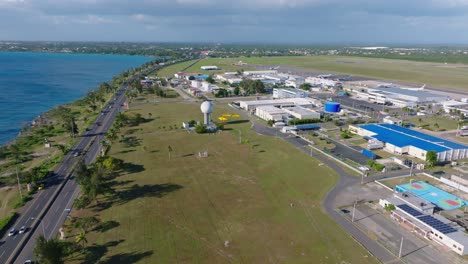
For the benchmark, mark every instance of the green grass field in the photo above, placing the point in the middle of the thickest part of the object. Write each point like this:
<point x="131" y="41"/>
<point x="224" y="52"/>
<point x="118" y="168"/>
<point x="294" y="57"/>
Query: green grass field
<point x="442" y="122"/>
<point x="184" y="209"/>
<point x="450" y="76"/>
<point x="225" y="65"/>
<point x="446" y="76"/>
<point x="169" y="71"/>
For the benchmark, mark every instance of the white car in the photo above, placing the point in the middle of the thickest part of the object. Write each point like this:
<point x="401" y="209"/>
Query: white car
<point x="12" y="232"/>
<point x="22" y="230"/>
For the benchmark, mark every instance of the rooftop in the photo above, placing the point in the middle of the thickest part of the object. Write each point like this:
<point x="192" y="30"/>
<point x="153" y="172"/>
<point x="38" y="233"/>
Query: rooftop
<point x="402" y="137"/>
<point x="399" y="91"/>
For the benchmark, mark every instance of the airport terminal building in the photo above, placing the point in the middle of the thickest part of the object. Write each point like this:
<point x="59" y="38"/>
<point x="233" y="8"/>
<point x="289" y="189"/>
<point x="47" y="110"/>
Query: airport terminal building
<point x="400" y="140"/>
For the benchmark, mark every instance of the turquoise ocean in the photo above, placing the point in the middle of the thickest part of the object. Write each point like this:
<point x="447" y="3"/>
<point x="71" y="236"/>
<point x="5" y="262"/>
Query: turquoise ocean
<point x="32" y="83"/>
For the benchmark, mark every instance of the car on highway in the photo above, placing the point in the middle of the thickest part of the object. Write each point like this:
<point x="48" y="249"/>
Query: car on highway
<point x="12" y="232"/>
<point x="28" y="262"/>
<point x="40" y="186"/>
<point x="76" y="154"/>
<point x="22" y="230"/>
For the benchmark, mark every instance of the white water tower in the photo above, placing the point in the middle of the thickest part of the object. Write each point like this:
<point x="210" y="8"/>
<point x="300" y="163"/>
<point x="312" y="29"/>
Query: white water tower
<point x="207" y="108"/>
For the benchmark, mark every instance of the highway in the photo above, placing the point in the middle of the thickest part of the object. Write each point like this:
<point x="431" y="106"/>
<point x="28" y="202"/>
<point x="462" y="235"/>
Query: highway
<point x="49" y="208"/>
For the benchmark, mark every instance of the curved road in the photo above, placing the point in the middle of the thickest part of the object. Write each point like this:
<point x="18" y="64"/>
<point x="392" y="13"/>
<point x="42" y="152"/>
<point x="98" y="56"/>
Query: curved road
<point x="329" y="202"/>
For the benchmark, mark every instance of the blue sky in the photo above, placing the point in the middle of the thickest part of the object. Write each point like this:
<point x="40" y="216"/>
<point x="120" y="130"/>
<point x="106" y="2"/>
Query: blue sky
<point x="265" y="21"/>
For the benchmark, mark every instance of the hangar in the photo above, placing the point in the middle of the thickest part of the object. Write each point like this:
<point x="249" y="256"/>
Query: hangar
<point x="400" y="140"/>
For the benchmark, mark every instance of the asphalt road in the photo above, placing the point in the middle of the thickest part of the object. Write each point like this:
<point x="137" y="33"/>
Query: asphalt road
<point x="49" y="208"/>
<point x="52" y="221"/>
<point x="48" y="224"/>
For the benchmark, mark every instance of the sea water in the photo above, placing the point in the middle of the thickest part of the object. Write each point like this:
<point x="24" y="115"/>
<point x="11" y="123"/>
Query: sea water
<point x="32" y="83"/>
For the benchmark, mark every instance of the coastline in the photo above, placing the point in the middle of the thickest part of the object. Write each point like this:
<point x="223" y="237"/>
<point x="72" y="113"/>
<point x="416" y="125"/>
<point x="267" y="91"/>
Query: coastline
<point x="16" y="119"/>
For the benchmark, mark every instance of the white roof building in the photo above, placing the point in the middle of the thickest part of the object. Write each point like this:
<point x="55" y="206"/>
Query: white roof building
<point x="208" y="87"/>
<point x="209" y="68"/>
<point x="320" y="81"/>
<point x="392" y="120"/>
<point x="301" y="112"/>
<point x="305" y="102"/>
<point x="260" y="72"/>
<point x="269" y="112"/>
<point x="288" y="93"/>
<point x="416" y="213"/>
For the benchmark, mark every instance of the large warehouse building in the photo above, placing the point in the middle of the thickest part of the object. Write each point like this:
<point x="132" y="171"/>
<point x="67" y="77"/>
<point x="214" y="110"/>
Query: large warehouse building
<point x="400" y="140"/>
<point x="288" y="102"/>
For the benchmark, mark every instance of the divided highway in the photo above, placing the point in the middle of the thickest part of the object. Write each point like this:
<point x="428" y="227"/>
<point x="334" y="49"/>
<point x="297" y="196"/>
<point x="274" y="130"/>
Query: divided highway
<point x="49" y="208"/>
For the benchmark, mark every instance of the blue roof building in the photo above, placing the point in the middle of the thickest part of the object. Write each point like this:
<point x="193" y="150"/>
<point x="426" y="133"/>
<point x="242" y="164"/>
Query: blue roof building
<point x="401" y="140"/>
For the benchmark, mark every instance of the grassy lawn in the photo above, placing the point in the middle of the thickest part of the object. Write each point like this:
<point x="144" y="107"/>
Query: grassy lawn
<point x="358" y="141"/>
<point x="442" y="122"/>
<point x="384" y="154"/>
<point x="391" y="183"/>
<point x="8" y="195"/>
<point x="169" y="71"/>
<point x="262" y="196"/>
<point x="450" y="76"/>
<point x="225" y="65"/>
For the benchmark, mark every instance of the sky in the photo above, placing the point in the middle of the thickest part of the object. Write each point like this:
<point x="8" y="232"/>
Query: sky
<point x="262" y="21"/>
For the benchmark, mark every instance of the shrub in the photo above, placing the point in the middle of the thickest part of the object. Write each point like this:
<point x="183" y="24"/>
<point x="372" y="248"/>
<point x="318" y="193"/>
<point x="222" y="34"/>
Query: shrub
<point x="200" y="129"/>
<point x="389" y="207"/>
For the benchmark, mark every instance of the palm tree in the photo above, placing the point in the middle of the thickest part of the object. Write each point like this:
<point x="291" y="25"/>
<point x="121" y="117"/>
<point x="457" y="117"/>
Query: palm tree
<point x="81" y="238"/>
<point x="62" y="148"/>
<point x="111" y="135"/>
<point x="50" y="251"/>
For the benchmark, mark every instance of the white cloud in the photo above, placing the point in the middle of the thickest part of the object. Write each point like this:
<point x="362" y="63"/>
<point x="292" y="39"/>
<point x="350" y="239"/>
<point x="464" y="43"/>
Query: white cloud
<point x="93" y="20"/>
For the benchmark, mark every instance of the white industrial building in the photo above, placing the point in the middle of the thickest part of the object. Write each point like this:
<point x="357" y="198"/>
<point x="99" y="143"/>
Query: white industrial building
<point x="288" y="93"/>
<point x="208" y="87"/>
<point x="399" y="97"/>
<point x="301" y="112"/>
<point x="304" y="102"/>
<point x="295" y="82"/>
<point x="417" y="214"/>
<point x="404" y="141"/>
<point x="231" y="78"/>
<point x="275" y="77"/>
<point x="269" y="112"/>
<point x="314" y="81"/>
<point x="209" y="68"/>
<point x="453" y="105"/>
<point x="260" y="72"/>
<point x="196" y="84"/>
<point x="392" y="120"/>
<point x="374" y="144"/>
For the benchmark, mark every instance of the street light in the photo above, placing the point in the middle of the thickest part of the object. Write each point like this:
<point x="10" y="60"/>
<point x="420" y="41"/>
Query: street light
<point x="42" y="224"/>
<point x="354" y="210"/>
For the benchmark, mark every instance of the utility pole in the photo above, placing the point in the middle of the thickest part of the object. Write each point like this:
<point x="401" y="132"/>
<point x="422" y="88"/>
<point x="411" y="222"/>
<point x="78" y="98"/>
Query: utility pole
<point x="19" y="185"/>
<point x="411" y="169"/>
<point x="401" y="247"/>
<point x="72" y="128"/>
<point x="354" y="210"/>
